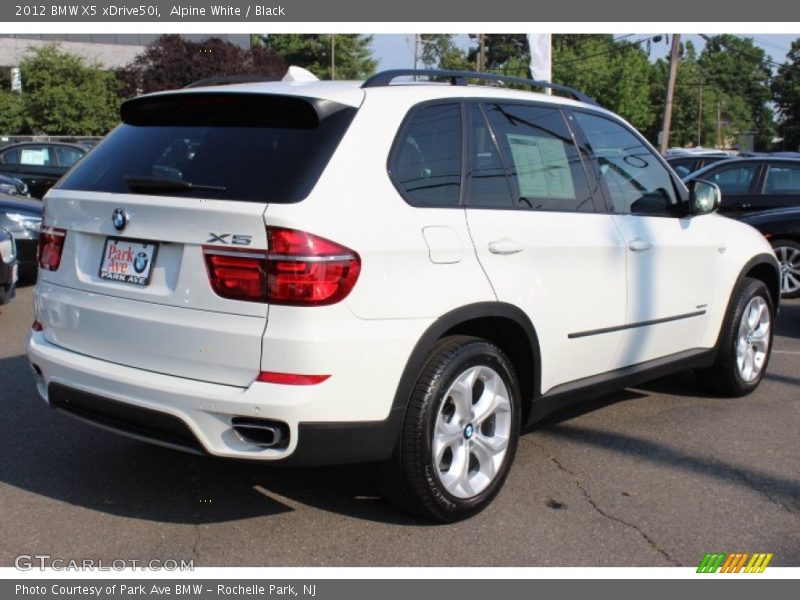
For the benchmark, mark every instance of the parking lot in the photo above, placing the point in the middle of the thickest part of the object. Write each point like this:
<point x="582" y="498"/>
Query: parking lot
<point x="653" y="476"/>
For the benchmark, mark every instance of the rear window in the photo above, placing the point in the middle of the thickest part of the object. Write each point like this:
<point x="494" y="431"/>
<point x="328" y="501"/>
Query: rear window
<point x="249" y="147"/>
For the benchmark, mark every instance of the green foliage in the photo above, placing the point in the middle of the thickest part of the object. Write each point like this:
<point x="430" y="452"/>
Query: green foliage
<point x="11" y="113"/>
<point x="506" y="53"/>
<point x="786" y="88"/>
<point x="439" y="51"/>
<point x="63" y="95"/>
<point x="352" y="53"/>
<point x="617" y="74"/>
<point x="737" y="72"/>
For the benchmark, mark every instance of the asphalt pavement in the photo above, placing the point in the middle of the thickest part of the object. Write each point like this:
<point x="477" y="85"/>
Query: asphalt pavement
<point x="653" y="476"/>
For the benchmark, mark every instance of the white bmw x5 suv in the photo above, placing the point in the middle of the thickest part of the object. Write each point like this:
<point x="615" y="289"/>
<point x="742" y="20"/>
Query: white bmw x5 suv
<point x="399" y="273"/>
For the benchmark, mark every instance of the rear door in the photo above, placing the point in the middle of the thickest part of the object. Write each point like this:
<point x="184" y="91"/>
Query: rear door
<point x="539" y="237"/>
<point x="177" y="191"/>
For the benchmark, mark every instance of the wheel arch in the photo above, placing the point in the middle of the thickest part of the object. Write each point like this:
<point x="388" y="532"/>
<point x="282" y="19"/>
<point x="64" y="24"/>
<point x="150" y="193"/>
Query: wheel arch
<point x="502" y="324"/>
<point x="763" y="267"/>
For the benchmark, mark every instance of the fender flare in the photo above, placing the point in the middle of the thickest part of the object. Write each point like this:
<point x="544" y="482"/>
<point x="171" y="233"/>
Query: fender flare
<point x="451" y="320"/>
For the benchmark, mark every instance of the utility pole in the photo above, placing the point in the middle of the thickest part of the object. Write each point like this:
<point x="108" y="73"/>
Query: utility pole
<point x="481" y="52"/>
<point x="416" y="50"/>
<point x="719" y="124"/>
<point x="673" y="75"/>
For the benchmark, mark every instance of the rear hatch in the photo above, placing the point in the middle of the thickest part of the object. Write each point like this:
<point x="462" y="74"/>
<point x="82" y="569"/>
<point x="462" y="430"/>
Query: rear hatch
<point x="186" y="176"/>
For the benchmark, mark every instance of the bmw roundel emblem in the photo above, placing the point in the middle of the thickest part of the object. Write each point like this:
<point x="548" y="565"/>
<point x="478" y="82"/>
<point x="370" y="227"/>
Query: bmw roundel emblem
<point x="119" y="218"/>
<point x="140" y="262"/>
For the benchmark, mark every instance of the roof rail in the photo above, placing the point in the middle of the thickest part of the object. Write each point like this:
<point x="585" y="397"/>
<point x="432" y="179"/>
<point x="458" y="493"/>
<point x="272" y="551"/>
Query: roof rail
<point x="385" y="78"/>
<point x="229" y="79"/>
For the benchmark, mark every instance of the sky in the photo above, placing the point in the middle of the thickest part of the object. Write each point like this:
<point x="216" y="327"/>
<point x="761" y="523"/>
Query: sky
<point x="395" y="51"/>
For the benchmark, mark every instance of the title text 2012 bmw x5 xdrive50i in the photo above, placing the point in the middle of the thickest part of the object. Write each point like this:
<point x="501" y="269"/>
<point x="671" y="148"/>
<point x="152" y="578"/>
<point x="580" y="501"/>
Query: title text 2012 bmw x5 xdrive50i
<point x="330" y="272"/>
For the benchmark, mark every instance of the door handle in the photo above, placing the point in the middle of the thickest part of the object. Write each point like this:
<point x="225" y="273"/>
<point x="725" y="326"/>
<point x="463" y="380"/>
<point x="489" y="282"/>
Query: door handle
<point x="639" y="245"/>
<point x="505" y="246"/>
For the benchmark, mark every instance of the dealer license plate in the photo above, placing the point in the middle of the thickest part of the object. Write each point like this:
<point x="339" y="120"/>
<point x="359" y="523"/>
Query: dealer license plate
<point x="128" y="261"/>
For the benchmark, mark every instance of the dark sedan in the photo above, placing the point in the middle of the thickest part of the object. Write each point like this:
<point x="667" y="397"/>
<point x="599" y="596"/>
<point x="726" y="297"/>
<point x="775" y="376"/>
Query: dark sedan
<point x="23" y="218"/>
<point x="39" y="165"/>
<point x="782" y="228"/>
<point x="753" y="184"/>
<point x="684" y="164"/>
<point x="8" y="266"/>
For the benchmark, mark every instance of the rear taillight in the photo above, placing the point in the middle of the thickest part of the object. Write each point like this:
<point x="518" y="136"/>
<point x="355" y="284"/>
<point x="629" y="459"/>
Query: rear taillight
<point x="306" y="270"/>
<point x="237" y="274"/>
<point x="51" y="245"/>
<point x="300" y="269"/>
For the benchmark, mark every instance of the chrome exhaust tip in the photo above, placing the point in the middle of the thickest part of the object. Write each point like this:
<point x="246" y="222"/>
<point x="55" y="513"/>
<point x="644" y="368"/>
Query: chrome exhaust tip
<point x="261" y="432"/>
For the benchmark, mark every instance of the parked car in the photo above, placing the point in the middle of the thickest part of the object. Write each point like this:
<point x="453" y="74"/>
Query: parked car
<point x="13" y="186"/>
<point x="8" y="266"/>
<point x="753" y="184"/>
<point x="689" y="163"/>
<point x="782" y="228"/>
<point x="400" y="274"/>
<point x="39" y="164"/>
<point x="23" y="218"/>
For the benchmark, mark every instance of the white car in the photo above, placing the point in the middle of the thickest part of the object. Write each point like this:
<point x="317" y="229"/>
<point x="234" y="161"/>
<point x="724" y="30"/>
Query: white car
<point x="401" y="273"/>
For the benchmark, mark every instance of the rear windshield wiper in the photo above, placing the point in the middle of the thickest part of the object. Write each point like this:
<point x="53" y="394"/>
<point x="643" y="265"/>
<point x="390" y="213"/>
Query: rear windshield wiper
<point x="157" y="184"/>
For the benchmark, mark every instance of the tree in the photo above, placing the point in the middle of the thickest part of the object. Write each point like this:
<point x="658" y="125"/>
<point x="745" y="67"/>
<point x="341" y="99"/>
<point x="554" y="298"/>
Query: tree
<point x="617" y="74"/>
<point x="351" y="53"/>
<point x="12" y="111"/>
<point x="506" y="53"/>
<point x="439" y="51"/>
<point x="63" y="95"/>
<point x="173" y="62"/>
<point x="740" y="75"/>
<point x="786" y="87"/>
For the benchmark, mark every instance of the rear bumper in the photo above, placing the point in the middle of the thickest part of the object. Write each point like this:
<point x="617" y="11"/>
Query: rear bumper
<point x="197" y="416"/>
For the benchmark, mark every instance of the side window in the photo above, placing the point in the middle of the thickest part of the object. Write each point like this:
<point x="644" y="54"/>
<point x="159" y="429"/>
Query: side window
<point x="488" y="183"/>
<point x="67" y="156"/>
<point x="11" y="157"/>
<point x="426" y="160"/>
<point x="545" y="167"/>
<point x="782" y="179"/>
<point x="734" y="179"/>
<point x="636" y="180"/>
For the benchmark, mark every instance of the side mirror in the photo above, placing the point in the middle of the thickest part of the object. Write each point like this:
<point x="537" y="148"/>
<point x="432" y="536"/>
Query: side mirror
<point x="704" y="197"/>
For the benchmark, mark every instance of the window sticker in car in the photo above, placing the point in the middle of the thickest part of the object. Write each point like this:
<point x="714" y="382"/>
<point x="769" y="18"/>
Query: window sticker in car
<point x="542" y="167"/>
<point x="34" y="157"/>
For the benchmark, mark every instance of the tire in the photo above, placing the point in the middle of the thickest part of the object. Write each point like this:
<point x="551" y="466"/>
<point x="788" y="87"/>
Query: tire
<point x="788" y="253"/>
<point x="459" y="435"/>
<point x="745" y="342"/>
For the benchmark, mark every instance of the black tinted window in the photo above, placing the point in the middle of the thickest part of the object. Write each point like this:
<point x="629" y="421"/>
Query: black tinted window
<point x="488" y="183"/>
<point x="545" y="167"/>
<point x="782" y="179"/>
<point x="230" y="147"/>
<point x="426" y="160"/>
<point x="734" y="179"/>
<point x="635" y="178"/>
